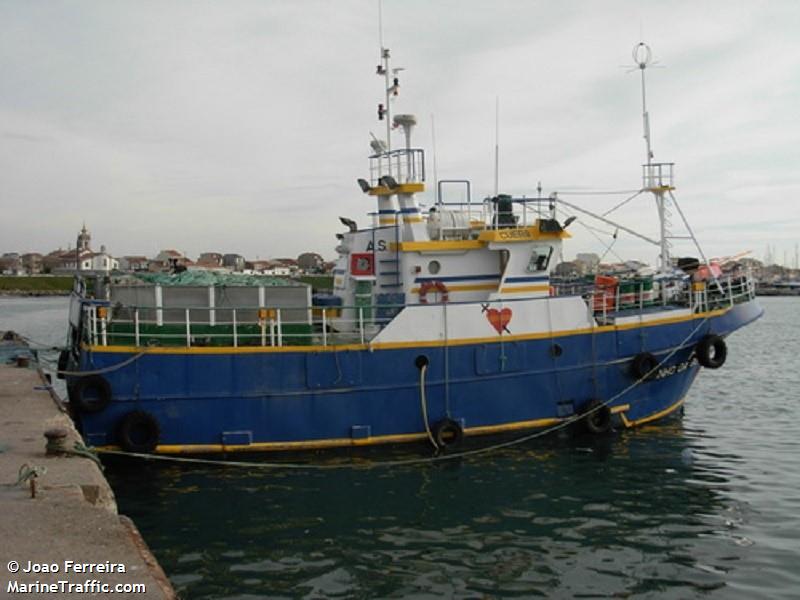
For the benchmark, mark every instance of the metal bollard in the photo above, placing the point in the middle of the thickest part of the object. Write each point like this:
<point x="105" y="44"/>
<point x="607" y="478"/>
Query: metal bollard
<point x="56" y="441"/>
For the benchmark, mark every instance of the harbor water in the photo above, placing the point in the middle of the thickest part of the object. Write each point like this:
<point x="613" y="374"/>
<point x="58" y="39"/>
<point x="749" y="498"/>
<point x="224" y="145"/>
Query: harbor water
<point x="704" y="506"/>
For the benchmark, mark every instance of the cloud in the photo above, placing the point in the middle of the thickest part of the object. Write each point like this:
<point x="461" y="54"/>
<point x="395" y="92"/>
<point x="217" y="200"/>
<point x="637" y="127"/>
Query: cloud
<point x="242" y="126"/>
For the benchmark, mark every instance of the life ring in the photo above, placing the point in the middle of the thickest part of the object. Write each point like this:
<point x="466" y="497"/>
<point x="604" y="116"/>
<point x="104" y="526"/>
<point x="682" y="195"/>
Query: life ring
<point x="90" y="394"/>
<point x="138" y="431"/>
<point x="711" y="351"/>
<point x="597" y="417"/>
<point x="436" y="286"/>
<point x="447" y="432"/>
<point x="643" y="366"/>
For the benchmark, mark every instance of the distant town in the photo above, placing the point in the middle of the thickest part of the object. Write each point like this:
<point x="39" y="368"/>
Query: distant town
<point x="84" y="259"/>
<point x="772" y="278"/>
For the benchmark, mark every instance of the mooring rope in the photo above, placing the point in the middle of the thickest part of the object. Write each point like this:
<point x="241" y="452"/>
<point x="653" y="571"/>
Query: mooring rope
<point x="411" y="461"/>
<point x="79" y="449"/>
<point x="39" y="345"/>
<point x="109" y="369"/>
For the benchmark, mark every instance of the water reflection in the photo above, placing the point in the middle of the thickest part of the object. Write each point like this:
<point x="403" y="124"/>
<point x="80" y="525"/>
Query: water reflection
<point x="566" y="515"/>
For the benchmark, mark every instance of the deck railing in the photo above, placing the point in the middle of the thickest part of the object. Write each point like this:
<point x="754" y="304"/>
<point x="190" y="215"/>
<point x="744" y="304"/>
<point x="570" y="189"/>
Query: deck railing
<point x="139" y="326"/>
<point x="658" y="176"/>
<point x="334" y="326"/>
<point x="621" y="299"/>
<point x="406" y="165"/>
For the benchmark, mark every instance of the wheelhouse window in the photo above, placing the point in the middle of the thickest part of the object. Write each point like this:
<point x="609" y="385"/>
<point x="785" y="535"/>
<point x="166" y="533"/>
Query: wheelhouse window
<point x="539" y="259"/>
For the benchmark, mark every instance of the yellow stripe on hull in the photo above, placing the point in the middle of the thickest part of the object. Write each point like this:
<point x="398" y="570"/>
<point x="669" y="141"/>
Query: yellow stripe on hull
<point x="525" y="288"/>
<point x="336" y="442"/>
<point x="465" y="288"/>
<point x="660" y="414"/>
<point x="385" y="439"/>
<point x="437" y="246"/>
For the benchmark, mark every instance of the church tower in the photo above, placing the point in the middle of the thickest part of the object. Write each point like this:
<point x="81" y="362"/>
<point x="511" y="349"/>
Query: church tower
<point x="84" y="240"/>
<point x="82" y="245"/>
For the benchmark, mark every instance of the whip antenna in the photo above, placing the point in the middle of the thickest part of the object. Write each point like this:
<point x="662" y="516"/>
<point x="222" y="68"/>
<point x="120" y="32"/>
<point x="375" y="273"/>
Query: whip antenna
<point x="643" y="58"/>
<point x="496" y="144"/>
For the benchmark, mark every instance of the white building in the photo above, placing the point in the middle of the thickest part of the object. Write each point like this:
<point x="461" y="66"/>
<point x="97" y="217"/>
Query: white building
<point x="588" y="261"/>
<point x="90" y="263"/>
<point x="84" y="260"/>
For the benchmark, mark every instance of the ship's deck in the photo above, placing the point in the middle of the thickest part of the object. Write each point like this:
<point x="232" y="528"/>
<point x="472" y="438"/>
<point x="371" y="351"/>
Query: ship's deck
<point x="106" y="325"/>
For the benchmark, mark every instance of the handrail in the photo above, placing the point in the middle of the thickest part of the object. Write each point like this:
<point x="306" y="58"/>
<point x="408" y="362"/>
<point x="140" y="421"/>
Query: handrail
<point x="406" y="164"/>
<point x="315" y="327"/>
<point x="697" y="296"/>
<point x="331" y="325"/>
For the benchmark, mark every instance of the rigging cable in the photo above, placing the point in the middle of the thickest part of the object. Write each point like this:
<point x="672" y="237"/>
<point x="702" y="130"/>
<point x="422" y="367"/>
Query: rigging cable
<point x="599" y="193"/>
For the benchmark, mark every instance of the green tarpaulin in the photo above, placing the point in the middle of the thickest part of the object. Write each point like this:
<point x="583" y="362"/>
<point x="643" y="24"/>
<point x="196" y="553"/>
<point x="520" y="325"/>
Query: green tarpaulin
<point x="206" y="278"/>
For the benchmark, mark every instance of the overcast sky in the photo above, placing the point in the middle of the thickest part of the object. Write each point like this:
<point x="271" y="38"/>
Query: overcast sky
<point x="242" y="126"/>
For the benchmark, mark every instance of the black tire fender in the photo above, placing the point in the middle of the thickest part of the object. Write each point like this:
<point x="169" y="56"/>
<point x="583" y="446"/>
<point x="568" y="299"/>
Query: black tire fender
<point x="138" y="431"/>
<point x="90" y="394"/>
<point x="643" y="365"/>
<point x="63" y="361"/>
<point x="711" y="351"/>
<point x="597" y="417"/>
<point x="447" y="432"/>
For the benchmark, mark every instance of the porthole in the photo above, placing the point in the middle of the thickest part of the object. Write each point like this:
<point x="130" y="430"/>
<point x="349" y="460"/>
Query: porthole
<point x="434" y="267"/>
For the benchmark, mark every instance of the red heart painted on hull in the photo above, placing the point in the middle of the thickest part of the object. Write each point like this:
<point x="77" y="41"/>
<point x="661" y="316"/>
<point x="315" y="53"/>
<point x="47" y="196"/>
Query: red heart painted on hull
<point x="499" y="318"/>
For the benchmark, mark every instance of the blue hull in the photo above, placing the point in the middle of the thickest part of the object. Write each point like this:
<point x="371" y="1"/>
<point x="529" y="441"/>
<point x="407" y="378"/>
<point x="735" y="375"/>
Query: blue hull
<point x="208" y="400"/>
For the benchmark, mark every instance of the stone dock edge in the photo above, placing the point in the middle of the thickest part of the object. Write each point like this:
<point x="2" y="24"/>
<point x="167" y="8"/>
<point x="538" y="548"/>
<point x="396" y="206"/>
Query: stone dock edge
<point x="58" y="510"/>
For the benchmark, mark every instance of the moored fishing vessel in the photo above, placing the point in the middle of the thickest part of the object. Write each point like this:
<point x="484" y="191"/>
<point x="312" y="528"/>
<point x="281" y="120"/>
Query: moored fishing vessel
<point x="440" y="325"/>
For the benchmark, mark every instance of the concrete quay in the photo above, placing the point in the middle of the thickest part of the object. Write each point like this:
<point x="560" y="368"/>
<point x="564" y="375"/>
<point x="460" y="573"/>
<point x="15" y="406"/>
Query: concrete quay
<point x="73" y="519"/>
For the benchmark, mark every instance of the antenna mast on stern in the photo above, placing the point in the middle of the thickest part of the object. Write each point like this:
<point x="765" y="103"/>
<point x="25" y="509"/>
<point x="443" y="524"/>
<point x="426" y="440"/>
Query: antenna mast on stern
<point x="656" y="177"/>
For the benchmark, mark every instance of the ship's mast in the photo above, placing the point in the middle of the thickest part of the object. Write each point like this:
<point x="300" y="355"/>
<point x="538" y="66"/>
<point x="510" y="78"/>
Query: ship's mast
<point x="642" y="55"/>
<point x="657" y="177"/>
<point x="383" y="69"/>
<point x="396" y="175"/>
<point x="387" y="107"/>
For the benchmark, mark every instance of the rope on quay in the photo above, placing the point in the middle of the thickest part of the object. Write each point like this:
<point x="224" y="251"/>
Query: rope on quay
<point x="56" y="439"/>
<point x="411" y="461"/>
<point x="80" y="449"/>
<point x="27" y="472"/>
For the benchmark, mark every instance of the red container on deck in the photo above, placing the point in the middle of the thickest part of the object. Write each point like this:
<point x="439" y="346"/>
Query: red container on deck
<point x="707" y="272"/>
<point x="605" y="293"/>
